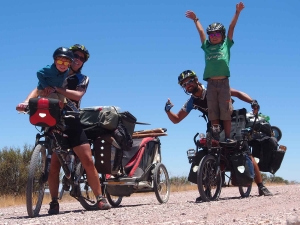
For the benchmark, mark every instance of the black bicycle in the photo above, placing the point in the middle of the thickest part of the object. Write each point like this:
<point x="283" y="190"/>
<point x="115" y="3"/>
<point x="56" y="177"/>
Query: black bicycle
<point x="51" y="139"/>
<point x="215" y="162"/>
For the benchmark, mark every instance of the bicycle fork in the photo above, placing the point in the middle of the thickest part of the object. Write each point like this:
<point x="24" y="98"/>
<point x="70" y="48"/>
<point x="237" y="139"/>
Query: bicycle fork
<point x="217" y="166"/>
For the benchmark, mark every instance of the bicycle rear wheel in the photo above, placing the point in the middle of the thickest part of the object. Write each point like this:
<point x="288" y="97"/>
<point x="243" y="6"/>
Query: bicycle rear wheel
<point x="209" y="183"/>
<point x="85" y="194"/>
<point x="245" y="191"/>
<point x="277" y="132"/>
<point x="35" y="185"/>
<point x="115" y="201"/>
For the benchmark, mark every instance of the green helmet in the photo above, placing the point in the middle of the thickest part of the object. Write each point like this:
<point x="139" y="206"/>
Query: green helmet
<point x="81" y="48"/>
<point x="185" y="74"/>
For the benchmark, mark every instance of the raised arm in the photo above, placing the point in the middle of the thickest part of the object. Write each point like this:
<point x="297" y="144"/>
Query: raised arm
<point x="191" y="15"/>
<point x="175" y="118"/>
<point x="239" y="7"/>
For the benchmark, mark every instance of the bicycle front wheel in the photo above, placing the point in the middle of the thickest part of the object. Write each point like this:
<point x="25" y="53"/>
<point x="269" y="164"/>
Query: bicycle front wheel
<point x="161" y="183"/>
<point x="35" y="185"/>
<point x="245" y="191"/>
<point x="209" y="183"/>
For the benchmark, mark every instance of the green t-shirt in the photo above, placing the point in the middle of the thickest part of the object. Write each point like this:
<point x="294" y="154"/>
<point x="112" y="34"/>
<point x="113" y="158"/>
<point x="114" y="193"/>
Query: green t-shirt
<point x="217" y="59"/>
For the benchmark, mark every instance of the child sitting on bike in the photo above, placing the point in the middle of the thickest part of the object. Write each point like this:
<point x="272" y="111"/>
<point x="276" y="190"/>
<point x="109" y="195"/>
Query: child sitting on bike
<point x="216" y="73"/>
<point x="51" y="77"/>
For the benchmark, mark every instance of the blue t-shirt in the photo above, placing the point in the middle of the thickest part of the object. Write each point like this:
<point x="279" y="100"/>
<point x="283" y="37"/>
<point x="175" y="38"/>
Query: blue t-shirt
<point x="49" y="76"/>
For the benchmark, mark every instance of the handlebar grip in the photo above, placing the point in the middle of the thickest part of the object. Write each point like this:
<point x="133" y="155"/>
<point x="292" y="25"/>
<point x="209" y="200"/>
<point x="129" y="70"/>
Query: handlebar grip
<point x="195" y="139"/>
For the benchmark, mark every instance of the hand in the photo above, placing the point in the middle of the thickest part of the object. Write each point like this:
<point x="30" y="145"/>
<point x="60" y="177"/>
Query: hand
<point x="21" y="107"/>
<point x="191" y="15"/>
<point x="240" y="6"/>
<point x="255" y="107"/>
<point x="168" y="105"/>
<point x="48" y="90"/>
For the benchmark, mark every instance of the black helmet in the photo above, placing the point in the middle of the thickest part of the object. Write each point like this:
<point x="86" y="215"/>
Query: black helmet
<point x="64" y="52"/>
<point x="185" y="74"/>
<point x="216" y="27"/>
<point x="81" y="48"/>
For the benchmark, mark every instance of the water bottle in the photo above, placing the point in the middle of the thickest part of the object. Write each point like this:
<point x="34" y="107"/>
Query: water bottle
<point x="267" y="118"/>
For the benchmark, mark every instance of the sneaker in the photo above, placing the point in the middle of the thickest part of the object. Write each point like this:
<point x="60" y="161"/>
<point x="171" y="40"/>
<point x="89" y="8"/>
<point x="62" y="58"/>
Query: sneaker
<point x="228" y="140"/>
<point x="264" y="191"/>
<point x="102" y="204"/>
<point x="199" y="199"/>
<point x="54" y="208"/>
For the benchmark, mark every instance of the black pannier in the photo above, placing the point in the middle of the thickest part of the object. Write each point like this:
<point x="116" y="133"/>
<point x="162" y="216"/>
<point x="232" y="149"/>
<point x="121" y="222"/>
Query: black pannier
<point x="194" y="166"/>
<point x="266" y="150"/>
<point x="242" y="173"/>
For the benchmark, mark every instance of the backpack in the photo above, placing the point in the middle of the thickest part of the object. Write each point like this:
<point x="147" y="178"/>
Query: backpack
<point x="122" y="136"/>
<point x="99" y="120"/>
<point x="238" y="122"/>
<point x="95" y="117"/>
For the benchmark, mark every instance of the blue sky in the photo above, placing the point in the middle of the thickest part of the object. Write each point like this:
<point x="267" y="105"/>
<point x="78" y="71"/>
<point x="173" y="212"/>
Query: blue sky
<point x="138" y="48"/>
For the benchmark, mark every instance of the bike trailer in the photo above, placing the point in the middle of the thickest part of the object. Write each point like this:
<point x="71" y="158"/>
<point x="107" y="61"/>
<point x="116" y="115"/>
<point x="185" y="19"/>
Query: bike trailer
<point x="44" y="112"/>
<point x="109" y="159"/>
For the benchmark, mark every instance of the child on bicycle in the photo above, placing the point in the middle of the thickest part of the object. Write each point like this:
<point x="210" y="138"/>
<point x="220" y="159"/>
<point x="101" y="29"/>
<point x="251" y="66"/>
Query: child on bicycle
<point x="216" y="72"/>
<point x="53" y="76"/>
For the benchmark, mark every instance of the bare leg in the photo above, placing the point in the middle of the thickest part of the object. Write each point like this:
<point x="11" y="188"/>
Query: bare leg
<point x="213" y="122"/>
<point x="84" y="153"/>
<point x="257" y="178"/>
<point x="53" y="178"/>
<point x="227" y="128"/>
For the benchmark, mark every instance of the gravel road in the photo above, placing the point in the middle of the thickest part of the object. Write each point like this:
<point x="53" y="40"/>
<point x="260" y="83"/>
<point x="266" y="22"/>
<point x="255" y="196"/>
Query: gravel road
<point x="282" y="208"/>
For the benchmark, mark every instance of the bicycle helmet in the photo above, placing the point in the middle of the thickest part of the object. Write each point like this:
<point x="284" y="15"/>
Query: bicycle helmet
<point x="185" y="74"/>
<point x="81" y="48"/>
<point x="216" y="27"/>
<point x="64" y="52"/>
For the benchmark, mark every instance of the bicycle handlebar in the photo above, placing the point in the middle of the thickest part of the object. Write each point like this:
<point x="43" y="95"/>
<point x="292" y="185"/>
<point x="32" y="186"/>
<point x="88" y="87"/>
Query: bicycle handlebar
<point x="195" y="139"/>
<point x="71" y="113"/>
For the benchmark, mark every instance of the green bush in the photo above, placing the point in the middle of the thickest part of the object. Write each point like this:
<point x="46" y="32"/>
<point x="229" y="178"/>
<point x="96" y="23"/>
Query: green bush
<point x="13" y="170"/>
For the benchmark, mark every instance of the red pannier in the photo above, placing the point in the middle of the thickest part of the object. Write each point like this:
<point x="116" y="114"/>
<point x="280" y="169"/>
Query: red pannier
<point x="44" y="112"/>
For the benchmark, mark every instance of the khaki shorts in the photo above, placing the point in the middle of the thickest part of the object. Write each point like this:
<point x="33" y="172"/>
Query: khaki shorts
<point x="219" y="99"/>
<point x="55" y="95"/>
<point x="58" y="96"/>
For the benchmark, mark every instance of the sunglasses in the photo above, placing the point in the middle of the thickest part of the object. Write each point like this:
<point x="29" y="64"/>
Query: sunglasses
<point x="82" y="59"/>
<point x="215" y="35"/>
<point x="187" y="83"/>
<point x="60" y="62"/>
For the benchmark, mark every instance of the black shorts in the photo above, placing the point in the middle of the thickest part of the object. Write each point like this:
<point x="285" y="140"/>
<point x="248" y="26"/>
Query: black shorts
<point x="76" y="135"/>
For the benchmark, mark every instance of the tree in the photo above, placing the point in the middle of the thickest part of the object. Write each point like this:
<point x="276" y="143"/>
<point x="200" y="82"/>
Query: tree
<point x="13" y="170"/>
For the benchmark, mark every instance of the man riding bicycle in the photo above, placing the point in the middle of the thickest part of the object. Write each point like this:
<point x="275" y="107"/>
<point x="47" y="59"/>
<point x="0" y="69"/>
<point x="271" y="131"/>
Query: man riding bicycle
<point x="188" y="80"/>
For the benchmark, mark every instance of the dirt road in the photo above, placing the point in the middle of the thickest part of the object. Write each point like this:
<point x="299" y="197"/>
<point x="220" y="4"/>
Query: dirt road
<point x="282" y="208"/>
